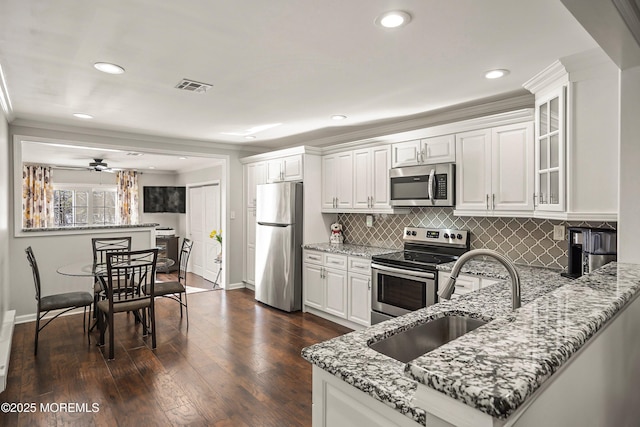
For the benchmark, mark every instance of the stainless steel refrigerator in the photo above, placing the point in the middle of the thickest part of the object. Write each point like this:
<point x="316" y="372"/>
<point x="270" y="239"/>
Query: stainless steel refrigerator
<point x="278" y="245"/>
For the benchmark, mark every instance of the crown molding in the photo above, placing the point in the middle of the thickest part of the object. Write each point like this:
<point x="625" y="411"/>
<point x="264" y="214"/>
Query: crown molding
<point x="124" y="138"/>
<point x="488" y="106"/>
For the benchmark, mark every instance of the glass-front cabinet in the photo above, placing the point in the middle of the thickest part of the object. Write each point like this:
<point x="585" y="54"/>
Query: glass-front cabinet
<point x="550" y="152"/>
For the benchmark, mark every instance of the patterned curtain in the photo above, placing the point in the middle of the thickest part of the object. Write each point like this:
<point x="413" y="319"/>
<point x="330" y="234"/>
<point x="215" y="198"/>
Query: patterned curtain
<point x="37" y="197"/>
<point x="127" y="188"/>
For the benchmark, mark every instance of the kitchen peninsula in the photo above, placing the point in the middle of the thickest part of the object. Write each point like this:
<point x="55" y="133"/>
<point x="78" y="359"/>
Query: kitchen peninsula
<point x="518" y="369"/>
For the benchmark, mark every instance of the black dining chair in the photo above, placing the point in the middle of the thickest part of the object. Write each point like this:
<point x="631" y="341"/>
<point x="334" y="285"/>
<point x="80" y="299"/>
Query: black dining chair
<point x="128" y="275"/>
<point x="65" y="301"/>
<point x="176" y="289"/>
<point x="101" y="246"/>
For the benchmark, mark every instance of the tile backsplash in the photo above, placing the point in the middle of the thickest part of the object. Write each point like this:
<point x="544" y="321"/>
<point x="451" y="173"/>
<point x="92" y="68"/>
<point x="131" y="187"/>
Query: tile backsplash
<point x="527" y="241"/>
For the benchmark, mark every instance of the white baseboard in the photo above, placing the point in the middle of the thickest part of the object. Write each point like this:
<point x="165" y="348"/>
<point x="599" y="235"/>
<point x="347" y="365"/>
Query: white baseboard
<point x="232" y="286"/>
<point x="25" y="318"/>
<point x="6" y="336"/>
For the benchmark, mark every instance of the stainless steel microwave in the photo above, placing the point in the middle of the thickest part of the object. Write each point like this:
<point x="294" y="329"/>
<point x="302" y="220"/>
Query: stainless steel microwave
<point x="424" y="185"/>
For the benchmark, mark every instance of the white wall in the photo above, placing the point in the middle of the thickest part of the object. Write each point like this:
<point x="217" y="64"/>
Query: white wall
<point x="230" y="177"/>
<point x="55" y="247"/>
<point x="5" y="211"/>
<point x="629" y="215"/>
<point x="164" y="219"/>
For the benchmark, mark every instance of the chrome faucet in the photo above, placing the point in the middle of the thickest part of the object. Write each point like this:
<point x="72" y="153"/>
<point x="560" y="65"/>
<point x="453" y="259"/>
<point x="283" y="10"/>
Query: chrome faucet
<point x="446" y="292"/>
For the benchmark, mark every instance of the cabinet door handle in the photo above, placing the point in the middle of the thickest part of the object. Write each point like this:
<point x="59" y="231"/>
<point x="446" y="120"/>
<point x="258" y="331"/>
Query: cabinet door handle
<point x="369" y="283"/>
<point x="493" y="201"/>
<point x="423" y="154"/>
<point x="534" y="200"/>
<point x="487" y="202"/>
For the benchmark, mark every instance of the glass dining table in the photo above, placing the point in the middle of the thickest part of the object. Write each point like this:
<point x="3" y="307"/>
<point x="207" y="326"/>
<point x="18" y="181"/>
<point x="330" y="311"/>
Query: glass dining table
<point x="84" y="269"/>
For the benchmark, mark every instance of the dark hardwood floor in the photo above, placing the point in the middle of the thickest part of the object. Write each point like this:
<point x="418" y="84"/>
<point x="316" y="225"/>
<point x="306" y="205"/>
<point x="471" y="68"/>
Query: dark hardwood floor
<point x="238" y="364"/>
<point x="193" y="280"/>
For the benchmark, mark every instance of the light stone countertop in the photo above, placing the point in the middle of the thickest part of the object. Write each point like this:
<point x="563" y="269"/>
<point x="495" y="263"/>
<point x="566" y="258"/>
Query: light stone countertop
<point x="496" y="367"/>
<point x="349" y="249"/>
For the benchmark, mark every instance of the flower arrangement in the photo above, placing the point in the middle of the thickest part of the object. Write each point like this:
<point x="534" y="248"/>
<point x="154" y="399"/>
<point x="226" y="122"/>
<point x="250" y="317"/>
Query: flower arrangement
<point x="216" y="235"/>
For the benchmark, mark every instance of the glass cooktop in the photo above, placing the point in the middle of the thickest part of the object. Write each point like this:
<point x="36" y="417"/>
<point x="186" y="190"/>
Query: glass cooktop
<point x="414" y="259"/>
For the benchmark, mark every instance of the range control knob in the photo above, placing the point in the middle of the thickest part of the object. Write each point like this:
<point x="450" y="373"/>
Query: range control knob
<point x="446" y="236"/>
<point x="408" y="233"/>
<point x="413" y="233"/>
<point x="459" y="236"/>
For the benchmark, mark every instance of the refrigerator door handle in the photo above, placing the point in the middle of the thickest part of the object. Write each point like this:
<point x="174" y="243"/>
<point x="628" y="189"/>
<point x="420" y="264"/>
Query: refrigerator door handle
<point x="269" y="224"/>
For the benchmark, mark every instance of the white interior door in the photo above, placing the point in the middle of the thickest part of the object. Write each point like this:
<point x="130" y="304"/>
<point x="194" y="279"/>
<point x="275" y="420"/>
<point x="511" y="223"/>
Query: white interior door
<point x="197" y="229"/>
<point x="211" y="195"/>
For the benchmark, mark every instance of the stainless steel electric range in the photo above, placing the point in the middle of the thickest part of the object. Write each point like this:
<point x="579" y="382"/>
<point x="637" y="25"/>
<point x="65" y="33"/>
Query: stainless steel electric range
<point x="408" y="280"/>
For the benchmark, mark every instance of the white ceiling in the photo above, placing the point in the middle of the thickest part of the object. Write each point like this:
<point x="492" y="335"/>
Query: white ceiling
<point x="293" y="62"/>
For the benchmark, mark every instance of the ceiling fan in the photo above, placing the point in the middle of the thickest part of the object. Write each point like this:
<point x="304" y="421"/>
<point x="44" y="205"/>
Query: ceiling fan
<point x="99" y="166"/>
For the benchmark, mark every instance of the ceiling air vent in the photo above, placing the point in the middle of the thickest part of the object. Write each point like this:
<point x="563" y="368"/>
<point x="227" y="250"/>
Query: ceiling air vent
<point x="193" y="86"/>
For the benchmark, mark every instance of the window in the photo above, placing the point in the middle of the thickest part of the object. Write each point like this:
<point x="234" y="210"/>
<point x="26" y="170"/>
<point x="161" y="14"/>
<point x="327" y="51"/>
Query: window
<point x="73" y="206"/>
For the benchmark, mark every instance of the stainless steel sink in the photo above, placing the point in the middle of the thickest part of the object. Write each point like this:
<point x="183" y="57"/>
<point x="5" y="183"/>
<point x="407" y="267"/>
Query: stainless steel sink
<point x="415" y="342"/>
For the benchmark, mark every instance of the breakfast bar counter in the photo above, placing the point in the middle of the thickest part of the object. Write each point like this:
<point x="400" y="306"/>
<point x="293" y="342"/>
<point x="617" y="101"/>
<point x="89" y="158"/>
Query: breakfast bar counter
<point x="495" y="369"/>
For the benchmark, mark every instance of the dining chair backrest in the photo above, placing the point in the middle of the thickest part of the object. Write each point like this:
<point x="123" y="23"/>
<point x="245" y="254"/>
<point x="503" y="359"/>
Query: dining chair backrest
<point x="36" y="273"/>
<point x="103" y="245"/>
<point x="187" y="244"/>
<point x="129" y="274"/>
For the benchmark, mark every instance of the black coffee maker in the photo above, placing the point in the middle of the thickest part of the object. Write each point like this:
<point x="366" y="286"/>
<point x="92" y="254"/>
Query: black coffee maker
<point x="590" y="248"/>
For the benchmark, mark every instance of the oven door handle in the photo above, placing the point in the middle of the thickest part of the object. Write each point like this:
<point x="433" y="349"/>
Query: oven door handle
<point x="401" y="271"/>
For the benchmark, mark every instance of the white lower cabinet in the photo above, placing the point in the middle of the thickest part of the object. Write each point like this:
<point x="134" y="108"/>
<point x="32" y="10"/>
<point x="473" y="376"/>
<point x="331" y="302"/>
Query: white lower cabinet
<point x="312" y="279"/>
<point x="465" y="283"/>
<point x="359" y="297"/>
<point x="337" y="285"/>
<point x="335" y="292"/>
<point x="336" y="403"/>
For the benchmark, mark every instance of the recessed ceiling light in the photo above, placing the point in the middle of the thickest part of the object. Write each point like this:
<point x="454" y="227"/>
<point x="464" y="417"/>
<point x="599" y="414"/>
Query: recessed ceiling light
<point x="393" y="19"/>
<point x="152" y="167"/>
<point x="182" y="158"/>
<point x="338" y="117"/>
<point x="249" y="137"/>
<point x="496" y="74"/>
<point x="108" y="68"/>
<point x="83" y="116"/>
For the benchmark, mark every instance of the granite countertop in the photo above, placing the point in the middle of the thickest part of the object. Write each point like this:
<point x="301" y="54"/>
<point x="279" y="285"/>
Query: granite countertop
<point x="90" y="227"/>
<point x="496" y="367"/>
<point x="493" y="269"/>
<point x="349" y="249"/>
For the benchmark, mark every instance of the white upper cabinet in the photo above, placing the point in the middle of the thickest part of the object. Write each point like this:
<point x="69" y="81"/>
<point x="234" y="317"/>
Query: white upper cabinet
<point x="337" y="182"/>
<point x="576" y="138"/>
<point x="371" y="178"/>
<point x="255" y="173"/>
<point x="438" y="149"/>
<point x="406" y="153"/>
<point x="494" y="171"/>
<point x="285" y="169"/>
<point x="473" y="170"/>
<point x="512" y="167"/>
<point x="549" y="152"/>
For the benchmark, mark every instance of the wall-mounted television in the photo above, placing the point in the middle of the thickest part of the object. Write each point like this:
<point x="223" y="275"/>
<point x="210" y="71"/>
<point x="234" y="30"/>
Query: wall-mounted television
<point x="164" y="199"/>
